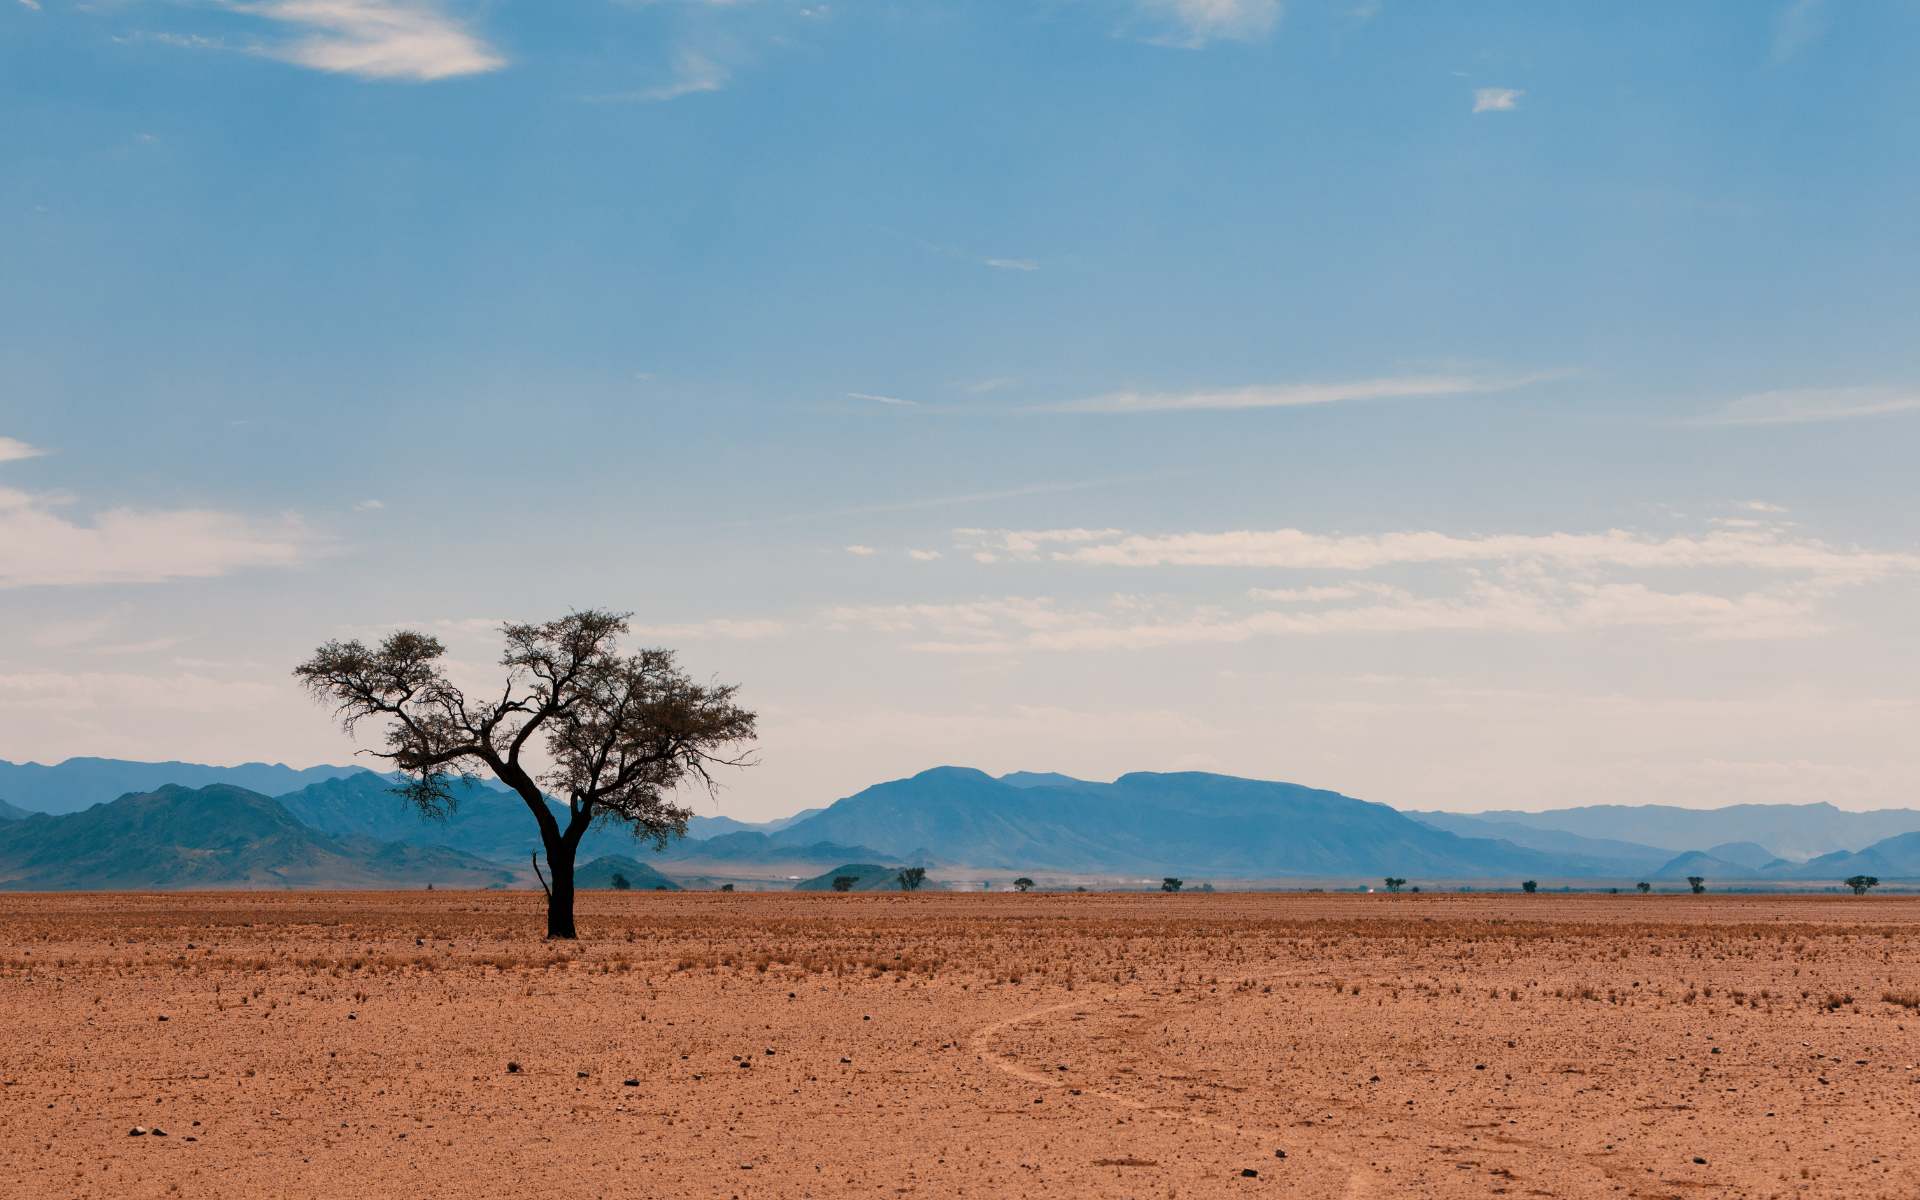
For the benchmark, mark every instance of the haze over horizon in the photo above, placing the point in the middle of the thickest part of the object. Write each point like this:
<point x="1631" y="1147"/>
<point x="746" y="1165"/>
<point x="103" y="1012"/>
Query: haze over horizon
<point x="1457" y="413"/>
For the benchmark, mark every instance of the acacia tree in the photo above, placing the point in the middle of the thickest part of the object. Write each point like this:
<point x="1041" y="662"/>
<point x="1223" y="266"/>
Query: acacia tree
<point x="1022" y="884"/>
<point x="1644" y="887"/>
<point x="1395" y="883"/>
<point x="910" y="878"/>
<point x="1697" y="883"/>
<point x="1861" y="883"/>
<point x="619" y="732"/>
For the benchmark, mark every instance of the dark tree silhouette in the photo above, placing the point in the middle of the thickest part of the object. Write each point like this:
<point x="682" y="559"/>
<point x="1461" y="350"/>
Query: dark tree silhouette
<point x="1529" y="886"/>
<point x="1860" y="883"/>
<point x="1170" y="884"/>
<point x="621" y="883"/>
<point x="618" y="732"/>
<point x="1023" y="884"/>
<point x="910" y="878"/>
<point x="1697" y="883"/>
<point x="1394" y="883"/>
<point x="726" y="887"/>
<point x="844" y="883"/>
<point x="1644" y="887"/>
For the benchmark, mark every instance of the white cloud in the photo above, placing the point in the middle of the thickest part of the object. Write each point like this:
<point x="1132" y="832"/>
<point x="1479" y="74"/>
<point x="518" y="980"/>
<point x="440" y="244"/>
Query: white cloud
<point x="375" y="39"/>
<point x="859" y="551"/>
<point x="876" y="398"/>
<point x="717" y="629"/>
<point x="370" y="506"/>
<point x="1796" y="26"/>
<point x="34" y="5"/>
<point x="1496" y="99"/>
<point x="1011" y="264"/>
<point x="1194" y="23"/>
<point x="693" y="73"/>
<point x="1802" y="406"/>
<point x="40" y="547"/>
<point x="13" y="450"/>
<point x="1756" y="549"/>
<point x="1290" y="395"/>
<point x="923" y="555"/>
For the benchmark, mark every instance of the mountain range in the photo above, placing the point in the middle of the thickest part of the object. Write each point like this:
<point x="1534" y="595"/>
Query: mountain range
<point x="344" y="826"/>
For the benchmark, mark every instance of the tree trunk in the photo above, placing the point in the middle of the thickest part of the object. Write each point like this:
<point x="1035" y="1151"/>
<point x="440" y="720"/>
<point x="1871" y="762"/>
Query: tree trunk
<point x="560" y="890"/>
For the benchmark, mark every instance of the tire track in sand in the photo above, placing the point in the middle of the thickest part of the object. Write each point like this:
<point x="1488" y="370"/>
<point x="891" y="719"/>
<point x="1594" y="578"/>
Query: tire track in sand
<point x="1359" y="1182"/>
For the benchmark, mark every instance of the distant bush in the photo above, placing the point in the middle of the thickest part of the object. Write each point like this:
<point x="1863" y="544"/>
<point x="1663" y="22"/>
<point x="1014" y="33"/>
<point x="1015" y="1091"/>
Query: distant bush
<point x="726" y="887"/>
<point x="1644" y="887"/>
<point x="1529" y="886"/>
<point x="1022" y="884"/>
<point x="1697" y="883"/>
<point x="844" y="883"/>
<point x="621" y="883"/>
<point x="1170" y="884"/>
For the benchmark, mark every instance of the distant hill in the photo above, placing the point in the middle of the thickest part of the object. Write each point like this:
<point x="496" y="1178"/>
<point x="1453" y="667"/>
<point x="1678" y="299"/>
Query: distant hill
<point x="1699" y="862"/>
<point x="81" y="783"/>
<point x="1150" y="824"/>
<point x="9" y="813"/>
<point x="600" y="872"/>
<point x="1890" y="858"/>
<point x="213" y="837"/>
<point x="487" y="821"/>
<point x="867" y="877"/>
<point x="1578" y="855"/>
<point x="755" y="847"/>
<point x="1792" y="830"/>
<point x="1749" y="855"/>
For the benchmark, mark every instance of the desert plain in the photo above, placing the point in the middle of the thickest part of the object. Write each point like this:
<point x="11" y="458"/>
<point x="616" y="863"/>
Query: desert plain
<point x="820" y="1045"/>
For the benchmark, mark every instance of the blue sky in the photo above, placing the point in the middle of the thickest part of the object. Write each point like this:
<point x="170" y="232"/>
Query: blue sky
<point x="1510" y="405"/>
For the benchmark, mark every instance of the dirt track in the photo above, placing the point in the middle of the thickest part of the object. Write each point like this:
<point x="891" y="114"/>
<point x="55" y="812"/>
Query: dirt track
<point x="786" y="1045"/>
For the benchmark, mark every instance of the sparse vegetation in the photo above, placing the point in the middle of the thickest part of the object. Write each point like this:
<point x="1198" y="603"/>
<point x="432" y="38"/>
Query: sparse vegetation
<point x="910" y="878"/>
<point x="1171" y="884"/>
<point x="1696" y="884"/>
<point x="1529" y="886"/>
<point x="1023" y="884"/>
<point x="1644" y="887"/>
<point x="844" y="883"/>
<point x="620" y="883"/>
<point x="1861" y="884"/>
<point x="622" y="732"/>
<point x="1394" y="883"/>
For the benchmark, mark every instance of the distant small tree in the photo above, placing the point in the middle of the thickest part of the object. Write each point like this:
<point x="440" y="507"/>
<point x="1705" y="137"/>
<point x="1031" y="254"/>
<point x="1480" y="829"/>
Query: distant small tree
<point x="726" y="887"/>
<point x="620" y="732"/>
<point x="1170" y="884"/>
<point x="910" y="878"/>
<point x="1529" y="886"/>
<point x="1860" y="883"/>
<point x="844" y="883"/>
<point x="621" y="883"/>
<point x="1395" y="884"/>
<point x="1023" y="884"/>
<point x="1697" y="883"/>
<point x="1644" y="887"/>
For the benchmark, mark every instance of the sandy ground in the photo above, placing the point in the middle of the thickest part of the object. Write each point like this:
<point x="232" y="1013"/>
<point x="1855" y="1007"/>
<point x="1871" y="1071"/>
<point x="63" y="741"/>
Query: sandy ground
<point x="431" y="1044"/>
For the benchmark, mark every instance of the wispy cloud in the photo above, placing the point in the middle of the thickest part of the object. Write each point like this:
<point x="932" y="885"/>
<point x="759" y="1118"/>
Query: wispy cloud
<point x="859" y="551"/>
<point x="716" y="629"/>
<point x="1011" y="264"/>
<point x="1496" y="99"/>
<point x="413" y="40"/>
<point x="693" y="73"/>
<point x="876" y="398"/>
<point x="30" y="4"/>
<point x="1796" y="26"/>
<point x="1761" y="548"/>
<point x="1802" y="406"/>
<point x="923" y="555"/>
<point x="370" y="506"/>
<point x="1290" y="395"/>
<point x="1191" y="24"/>
<point x="40" y="547"/>
<point x="13" y="450"/>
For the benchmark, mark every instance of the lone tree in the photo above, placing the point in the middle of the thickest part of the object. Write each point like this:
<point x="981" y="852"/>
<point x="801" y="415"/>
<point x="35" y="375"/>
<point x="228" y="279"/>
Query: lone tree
<point x="621" y="883"/>
<point x="910" y="878"/>
<point x="618" y="732"/>
<point x="1394" y="883"/>
<point x="1860" y="883"/>
<point x="1023" y="884"/>
<point x="1644" y="887"/>
<point x="1697" y="883"/>
<point x="1529" y="886"/>
<point x="844" y="883"/>
<point x="1170" y="884"/>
